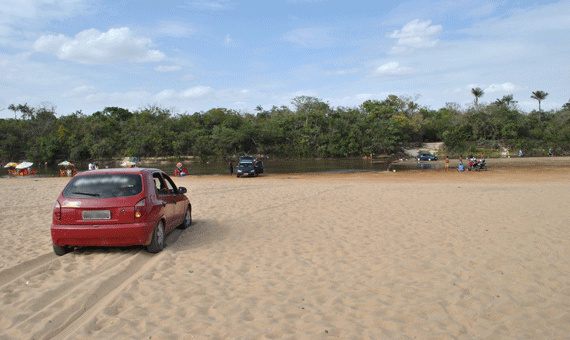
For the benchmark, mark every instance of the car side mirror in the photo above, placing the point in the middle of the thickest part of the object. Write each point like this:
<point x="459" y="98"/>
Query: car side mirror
<point x="182" y="190"/>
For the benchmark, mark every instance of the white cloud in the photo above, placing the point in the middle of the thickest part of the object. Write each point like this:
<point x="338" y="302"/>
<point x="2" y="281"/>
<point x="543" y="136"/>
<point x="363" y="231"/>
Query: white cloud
<point x="175" y="29"/>
<point x="535" y="20"/>
<point x="285" y="98"/>
<point x="241" y="105"/>
<point x="189" y="77"/>
<point x="13" y="11"/>
<point x="196" y="92"/>
<point x="211" y="5"/>
<point x="482" y="9"/>
<point x="165" y="95"/>
<point x="163" y="68"/>
<point x="415" y="34"/>
<point x="357" y="99"/>
<point x="505" y="87"/>
<point x="121" y="99"/>
<point x="393" y="69"/>
<point x="343" y="72"/>
<point x="94" y="47"/>
<point x="228" y="40"/>
<point x="313" y="37"/>
<point x="79" y="91"/>
<point x="203" y="93"/>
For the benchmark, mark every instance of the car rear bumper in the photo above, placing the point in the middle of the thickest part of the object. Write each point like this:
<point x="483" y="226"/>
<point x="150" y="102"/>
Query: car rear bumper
<point x="247" y="174"/>
<point x="102" y="235"/>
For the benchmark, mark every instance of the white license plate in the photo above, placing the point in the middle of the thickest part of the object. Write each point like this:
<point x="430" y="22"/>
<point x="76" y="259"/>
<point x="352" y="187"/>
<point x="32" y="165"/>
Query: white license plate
<point x="96" y="214"/>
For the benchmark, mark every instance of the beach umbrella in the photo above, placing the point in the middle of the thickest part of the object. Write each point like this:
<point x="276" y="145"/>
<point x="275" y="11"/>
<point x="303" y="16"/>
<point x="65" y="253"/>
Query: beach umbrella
<point x="65" y="163"/>
<point x="127" y="164"/>
<point x="11" y="165"/>
<point x="24" y="165"/>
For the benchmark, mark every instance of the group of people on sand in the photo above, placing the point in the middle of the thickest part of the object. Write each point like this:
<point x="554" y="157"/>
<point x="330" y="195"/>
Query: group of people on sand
<point x="473" y="162"/>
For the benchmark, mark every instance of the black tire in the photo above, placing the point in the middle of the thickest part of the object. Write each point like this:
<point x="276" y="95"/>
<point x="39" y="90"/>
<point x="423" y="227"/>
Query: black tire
<point x="187" y="219"/>
<point x="157" y="241"/>
<point x="61" y="250"/>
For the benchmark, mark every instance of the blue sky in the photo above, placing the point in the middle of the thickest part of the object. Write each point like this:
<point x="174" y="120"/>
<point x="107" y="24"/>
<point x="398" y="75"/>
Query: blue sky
<point x="192" y="56"/>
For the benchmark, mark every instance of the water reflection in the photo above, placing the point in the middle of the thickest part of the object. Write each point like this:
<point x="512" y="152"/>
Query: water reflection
<point x="425" y="166"/>
<point x="291" y="166"/>
<point x="270" y="167"/>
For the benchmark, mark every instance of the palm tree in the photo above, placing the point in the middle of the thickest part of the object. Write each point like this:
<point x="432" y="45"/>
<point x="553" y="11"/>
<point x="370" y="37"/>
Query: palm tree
<point x="540" y="96"/>
<point x="506" y="100"/>
<point x="477" y="92"/>
<point x="11" y="107"/>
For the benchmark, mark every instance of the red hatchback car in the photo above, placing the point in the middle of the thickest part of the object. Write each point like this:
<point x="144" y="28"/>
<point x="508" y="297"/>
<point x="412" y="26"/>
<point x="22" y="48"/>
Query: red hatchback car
<point x="119" y="207"/>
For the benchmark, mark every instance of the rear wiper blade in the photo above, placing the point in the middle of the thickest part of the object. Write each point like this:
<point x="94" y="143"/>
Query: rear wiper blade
<point x="85" y="193"/>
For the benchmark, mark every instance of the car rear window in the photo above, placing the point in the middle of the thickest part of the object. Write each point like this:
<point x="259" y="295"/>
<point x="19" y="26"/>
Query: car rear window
<point x="104" y="186"/>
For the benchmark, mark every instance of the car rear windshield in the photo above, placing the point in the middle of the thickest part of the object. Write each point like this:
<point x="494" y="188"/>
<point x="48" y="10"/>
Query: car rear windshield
<point x="104" y="186"/>
<point x="245" y="165"/>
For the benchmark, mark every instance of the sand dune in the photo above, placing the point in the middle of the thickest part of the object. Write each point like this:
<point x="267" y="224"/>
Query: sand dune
<point x="406" y="255"/>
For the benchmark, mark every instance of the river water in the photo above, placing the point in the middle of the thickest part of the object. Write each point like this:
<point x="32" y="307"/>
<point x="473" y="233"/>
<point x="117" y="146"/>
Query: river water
<point x="270" y="167"/>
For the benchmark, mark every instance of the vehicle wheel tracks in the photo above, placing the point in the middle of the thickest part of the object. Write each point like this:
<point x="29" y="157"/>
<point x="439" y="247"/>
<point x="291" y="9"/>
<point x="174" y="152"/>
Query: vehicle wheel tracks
<point x="98" y="297"/>
<point x="67" y="287"/>
<point x="89" y="296"/>
<point x="13" y="273"/>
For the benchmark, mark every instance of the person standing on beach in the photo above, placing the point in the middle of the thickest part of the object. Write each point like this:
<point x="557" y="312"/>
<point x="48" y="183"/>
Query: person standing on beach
<point x="231" y="168"/>
<point x="446" y="163"/>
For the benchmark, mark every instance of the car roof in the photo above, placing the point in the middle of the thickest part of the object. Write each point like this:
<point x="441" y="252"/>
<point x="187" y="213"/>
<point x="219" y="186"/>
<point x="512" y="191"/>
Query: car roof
<point x="118" y="171"/>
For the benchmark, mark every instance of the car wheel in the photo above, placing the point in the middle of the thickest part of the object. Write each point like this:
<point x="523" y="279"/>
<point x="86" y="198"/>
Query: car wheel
<point x="157" y="242"/>
<point x="61" y="250"/>
<point x="187" y="219"/>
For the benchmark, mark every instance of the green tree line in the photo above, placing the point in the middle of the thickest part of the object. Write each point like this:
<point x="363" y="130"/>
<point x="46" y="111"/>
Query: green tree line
<point x="310" y="128"/>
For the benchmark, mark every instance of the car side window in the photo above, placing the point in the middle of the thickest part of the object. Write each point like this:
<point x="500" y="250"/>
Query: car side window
<point x="160" y="186"/>
<point x="170" y="185"/>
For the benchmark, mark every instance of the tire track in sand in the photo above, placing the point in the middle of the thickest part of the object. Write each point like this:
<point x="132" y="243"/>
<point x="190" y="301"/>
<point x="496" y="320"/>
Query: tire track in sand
<point x="108" y="290"/>
<point x="66" y="292"/>
<point x="97" y="298"/>
<point x="20" y="270"/>
<point x="52" y="296"/>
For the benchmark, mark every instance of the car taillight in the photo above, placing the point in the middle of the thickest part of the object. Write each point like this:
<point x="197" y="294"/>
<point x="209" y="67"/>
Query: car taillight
<point x="139" y="208"/>
<point x="57" y="211"/>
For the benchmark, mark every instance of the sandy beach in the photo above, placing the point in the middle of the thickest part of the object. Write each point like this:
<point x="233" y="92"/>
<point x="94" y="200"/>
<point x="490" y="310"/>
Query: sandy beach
<point x="383" y="255"/>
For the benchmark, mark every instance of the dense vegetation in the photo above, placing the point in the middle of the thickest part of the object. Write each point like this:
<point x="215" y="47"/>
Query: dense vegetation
<point x="311" y="128"/>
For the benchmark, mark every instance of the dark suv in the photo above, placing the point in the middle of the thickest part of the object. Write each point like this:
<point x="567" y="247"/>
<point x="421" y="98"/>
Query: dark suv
<point x="248" y="166"/>
<point x="424" y="156"/>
